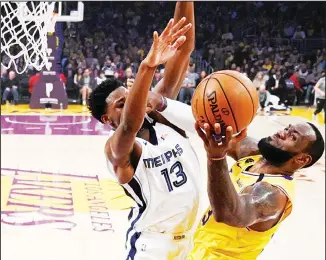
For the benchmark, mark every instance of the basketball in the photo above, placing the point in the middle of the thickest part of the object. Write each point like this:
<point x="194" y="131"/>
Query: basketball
<point x="225" y="97"/>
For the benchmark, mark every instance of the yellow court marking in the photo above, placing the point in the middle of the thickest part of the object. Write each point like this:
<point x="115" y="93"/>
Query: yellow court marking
<point x="25" y="110"/>
<point x="58" y="194"/>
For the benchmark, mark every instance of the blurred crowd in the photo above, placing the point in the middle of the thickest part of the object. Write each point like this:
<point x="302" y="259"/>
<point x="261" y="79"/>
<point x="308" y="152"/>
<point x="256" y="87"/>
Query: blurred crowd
<point x="260" y="39"/>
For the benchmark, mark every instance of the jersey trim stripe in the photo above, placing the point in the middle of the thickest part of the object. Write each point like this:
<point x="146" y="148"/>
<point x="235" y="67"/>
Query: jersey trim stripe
<point x="133" y="189"/>
<point x="261" y="177"/>
<point x="268" y="175"/>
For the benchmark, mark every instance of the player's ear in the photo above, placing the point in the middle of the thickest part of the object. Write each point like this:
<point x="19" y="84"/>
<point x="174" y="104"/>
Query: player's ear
<point x="302" y="159"/>
<point x="106" y="120"/>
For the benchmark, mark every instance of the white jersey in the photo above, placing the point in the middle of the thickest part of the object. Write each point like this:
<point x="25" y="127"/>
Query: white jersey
<point x="164" y="186"/>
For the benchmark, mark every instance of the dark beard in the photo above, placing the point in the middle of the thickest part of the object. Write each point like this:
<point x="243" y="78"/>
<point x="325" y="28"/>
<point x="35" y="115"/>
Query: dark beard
<point x="273" y="155"/>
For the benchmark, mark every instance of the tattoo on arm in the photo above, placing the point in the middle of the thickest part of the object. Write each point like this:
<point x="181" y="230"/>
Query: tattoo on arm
<point x="262" y="201"/>
<point x="268" y="201"/>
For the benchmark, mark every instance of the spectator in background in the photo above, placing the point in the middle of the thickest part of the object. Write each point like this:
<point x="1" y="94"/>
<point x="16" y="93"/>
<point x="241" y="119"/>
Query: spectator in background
<point x="311" y="80"/>
<point x="130" y="82"/>
<point x="202" y="75"/>
<point x="229" y="59"/>
<point x="299" y="34"/>
<point x="10" y="86"/>
<point x="156" y="79"/>
<point x="259" y="80"/>
<point x="87" y="84"/>
<point x="295" y="78"/>
<point x="303" y="72"/>
<point x="187" y="90"/>
<point x="78" y="76"/>
<point x="100" y="78"/>
<point x="116" y="75"/>
<point x="128" y="75"/>
<point x="233" y="66"/>
<point x="277" y="86"/>
<point x="266" y="99"/>
<point x="192" y="75"/>
<point x="267" y="64"/>
<point x="228" y="34"/>
<point x="108" y="65"/>
<point x="4" y="75"/>
<point x="320" y="100"/>
<point x="264" y="96"/>
<point x="70" y="77"/>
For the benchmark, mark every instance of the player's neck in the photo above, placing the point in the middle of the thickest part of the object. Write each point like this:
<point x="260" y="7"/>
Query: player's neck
<point x="265" y="167"/>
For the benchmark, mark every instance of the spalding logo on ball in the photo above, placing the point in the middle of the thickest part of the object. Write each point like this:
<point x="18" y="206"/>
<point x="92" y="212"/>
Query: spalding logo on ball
<point x="226" y="97"/>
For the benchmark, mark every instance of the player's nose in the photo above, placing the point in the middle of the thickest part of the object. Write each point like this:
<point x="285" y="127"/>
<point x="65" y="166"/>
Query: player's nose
<point x="281" y="135"/>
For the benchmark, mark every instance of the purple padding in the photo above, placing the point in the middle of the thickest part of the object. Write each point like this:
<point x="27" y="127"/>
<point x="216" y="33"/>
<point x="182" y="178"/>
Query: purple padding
<point x="52" y="125"/>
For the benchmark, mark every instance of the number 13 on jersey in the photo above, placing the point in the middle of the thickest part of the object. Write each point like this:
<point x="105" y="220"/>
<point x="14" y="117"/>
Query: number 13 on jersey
<point x="177" y="170"/>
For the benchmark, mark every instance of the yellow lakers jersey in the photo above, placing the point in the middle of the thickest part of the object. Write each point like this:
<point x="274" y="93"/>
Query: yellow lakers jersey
<point x="214" y="240"/>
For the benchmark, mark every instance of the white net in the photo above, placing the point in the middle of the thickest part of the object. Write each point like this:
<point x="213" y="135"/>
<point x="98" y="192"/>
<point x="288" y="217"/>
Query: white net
<point x="24" y="28"/>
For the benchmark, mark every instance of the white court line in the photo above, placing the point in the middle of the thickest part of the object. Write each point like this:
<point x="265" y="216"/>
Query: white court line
<point x="6" y="129"/>
<point x="86" y="130"/>
<point x="51" y="124"/>
<point x="32" y="128"/>
<point x="60" y="128"/>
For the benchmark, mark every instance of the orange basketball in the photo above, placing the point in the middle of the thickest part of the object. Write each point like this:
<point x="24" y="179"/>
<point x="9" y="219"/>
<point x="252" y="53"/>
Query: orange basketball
<point x="226" y="97"/>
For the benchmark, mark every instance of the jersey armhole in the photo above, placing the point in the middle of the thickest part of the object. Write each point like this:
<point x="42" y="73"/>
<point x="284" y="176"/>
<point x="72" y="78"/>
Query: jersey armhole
<point x="288" y="206"/>
<point x="135" y="187"/>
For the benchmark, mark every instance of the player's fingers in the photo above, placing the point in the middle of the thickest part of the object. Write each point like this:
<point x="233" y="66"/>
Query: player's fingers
<point x="178" y="25"/>
<point x="217" y="129"/>
<point x="178" y="42"/>
<point x="209" y="132"/>
<point x="228" y="134"/>
<point x="182" y="31"/>
<point x="241" y="135"/>
<point x="167" y="29"/>
<point x="155" y="39"/>
<point x="201" y="133"/>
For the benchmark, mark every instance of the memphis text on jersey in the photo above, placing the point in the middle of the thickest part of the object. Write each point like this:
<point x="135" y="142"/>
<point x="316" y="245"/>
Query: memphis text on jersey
<point x="164" y="158"/>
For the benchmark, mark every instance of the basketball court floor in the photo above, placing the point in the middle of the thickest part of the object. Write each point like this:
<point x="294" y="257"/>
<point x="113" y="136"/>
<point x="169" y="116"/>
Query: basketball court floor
<point x="58" y="201"/>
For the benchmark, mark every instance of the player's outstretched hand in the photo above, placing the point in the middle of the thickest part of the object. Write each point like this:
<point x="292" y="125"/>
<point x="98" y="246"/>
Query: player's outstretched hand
<point x="216" y="146"/>
<point x="166" y="45"/>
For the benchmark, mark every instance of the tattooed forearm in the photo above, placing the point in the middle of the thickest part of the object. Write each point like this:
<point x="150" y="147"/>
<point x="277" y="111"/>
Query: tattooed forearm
<point x="222" y="195"/>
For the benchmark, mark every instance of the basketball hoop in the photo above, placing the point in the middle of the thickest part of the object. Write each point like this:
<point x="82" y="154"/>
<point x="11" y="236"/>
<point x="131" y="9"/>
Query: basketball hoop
<point x="24" y="30"/>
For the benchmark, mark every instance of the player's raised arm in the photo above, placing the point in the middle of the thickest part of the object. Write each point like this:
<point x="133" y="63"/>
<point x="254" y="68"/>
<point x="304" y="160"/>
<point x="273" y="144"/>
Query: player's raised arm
<point x="176" y="67"/>
<point x="229" y="207"/>
<point x="120" y="146"/>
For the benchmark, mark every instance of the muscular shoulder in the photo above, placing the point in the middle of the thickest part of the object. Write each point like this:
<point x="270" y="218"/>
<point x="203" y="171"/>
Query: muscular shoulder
<point x="268" y="200"/>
